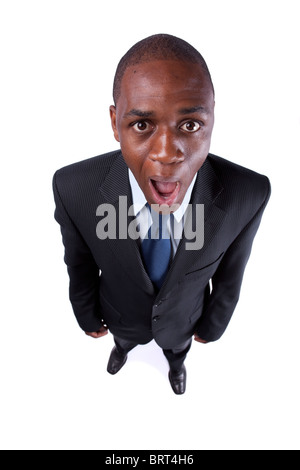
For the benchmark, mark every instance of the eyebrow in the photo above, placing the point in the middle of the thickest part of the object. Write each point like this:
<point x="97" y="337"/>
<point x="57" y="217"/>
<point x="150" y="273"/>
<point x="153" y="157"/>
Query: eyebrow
<point x="193" y="109"/>
<point x="139" y="113"/>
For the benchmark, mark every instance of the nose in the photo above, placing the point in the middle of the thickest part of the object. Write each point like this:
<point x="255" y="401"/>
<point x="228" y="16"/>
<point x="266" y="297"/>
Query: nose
<point x="165" y="148"/>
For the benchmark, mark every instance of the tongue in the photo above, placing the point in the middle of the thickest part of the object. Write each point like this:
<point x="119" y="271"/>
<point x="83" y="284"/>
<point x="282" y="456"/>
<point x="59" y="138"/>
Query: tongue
<point x="164" y="188"/>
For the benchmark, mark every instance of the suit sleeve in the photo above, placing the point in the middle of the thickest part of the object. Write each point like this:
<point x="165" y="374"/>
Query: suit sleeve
<point x="82" y="269"/>
<point x="227" y="281"/>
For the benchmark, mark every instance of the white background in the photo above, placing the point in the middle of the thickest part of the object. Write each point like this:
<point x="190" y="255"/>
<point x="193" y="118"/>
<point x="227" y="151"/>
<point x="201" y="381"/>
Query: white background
<point x="58" y="60"/>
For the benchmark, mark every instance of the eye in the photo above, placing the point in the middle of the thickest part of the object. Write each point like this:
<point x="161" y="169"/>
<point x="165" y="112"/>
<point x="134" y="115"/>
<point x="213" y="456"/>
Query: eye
<point x="190" y="126"/>
<point x="141" y="126"/>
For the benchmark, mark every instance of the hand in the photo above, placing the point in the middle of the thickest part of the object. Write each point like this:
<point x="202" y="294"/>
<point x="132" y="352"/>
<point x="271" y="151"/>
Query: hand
<point x="199" y="340"/>
<point x="98" y="334"/>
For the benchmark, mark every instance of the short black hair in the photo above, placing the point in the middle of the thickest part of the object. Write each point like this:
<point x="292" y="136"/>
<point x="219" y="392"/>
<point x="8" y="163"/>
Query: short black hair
<point x="158" y="47"/>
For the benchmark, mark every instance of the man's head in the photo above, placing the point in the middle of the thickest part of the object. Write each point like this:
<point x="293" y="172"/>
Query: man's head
<point x="163" y="115"/>
<point x="157" y="47"/>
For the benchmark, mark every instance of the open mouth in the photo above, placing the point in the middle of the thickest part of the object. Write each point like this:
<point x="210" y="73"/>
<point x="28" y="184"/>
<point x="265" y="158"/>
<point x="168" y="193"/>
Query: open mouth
<point x="164" y="192"/>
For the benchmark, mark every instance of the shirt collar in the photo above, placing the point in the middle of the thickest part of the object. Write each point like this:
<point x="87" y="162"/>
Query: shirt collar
<point x="139" y="199"/>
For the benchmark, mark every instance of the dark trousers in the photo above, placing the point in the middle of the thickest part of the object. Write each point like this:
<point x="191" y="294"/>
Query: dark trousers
<point x="175" y="356"/>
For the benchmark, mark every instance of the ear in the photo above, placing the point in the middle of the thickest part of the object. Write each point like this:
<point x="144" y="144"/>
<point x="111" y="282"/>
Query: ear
<point x="113" y="118"/>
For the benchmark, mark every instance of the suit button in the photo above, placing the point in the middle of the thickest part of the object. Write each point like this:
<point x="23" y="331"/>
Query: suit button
<point x="155" y="319"/>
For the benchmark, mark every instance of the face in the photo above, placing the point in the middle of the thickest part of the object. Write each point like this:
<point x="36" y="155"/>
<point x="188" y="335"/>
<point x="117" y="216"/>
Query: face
<point x="163" y="120"/>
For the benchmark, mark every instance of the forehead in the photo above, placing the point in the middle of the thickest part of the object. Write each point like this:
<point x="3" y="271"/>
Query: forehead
<point x="164" y="81"/>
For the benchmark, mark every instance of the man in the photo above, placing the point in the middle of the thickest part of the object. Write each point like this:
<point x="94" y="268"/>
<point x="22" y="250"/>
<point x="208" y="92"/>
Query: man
<point x="167" y="288"/>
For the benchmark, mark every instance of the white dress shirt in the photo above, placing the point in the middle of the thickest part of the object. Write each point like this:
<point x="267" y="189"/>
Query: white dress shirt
<point x="143" y="214"/>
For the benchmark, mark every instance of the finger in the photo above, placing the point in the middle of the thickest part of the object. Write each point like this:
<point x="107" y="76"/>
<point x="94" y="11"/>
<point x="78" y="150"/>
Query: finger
<point x="199" y="340"/>
<point x="97" y="334"/>
<point x="91" y="334"/>
<point x="103" y="332"/>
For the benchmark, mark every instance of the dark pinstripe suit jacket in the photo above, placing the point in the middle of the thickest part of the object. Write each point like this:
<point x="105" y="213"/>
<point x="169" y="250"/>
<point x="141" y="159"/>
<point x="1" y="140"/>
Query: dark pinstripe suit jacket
<point x="123" y="296"/>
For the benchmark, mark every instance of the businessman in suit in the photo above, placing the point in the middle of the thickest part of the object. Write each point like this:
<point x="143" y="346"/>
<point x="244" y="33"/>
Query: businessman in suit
<point x="158" y="287"/>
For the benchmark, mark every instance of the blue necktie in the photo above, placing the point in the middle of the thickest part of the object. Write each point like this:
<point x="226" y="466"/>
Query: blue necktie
<point x="156" y="249"/>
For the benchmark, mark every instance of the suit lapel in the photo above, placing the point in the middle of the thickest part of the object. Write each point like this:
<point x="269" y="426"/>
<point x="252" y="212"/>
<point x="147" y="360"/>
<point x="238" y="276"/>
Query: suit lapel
<point x="126" y="250"/>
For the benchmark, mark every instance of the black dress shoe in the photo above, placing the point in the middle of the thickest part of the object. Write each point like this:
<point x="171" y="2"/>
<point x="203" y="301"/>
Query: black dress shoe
<point x="178" y="380"/>
<point x="116" y="361"/>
